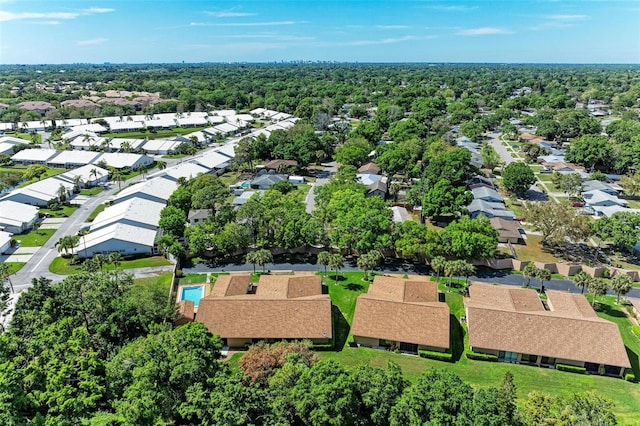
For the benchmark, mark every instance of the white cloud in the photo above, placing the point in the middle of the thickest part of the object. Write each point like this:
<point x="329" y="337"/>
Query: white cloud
<point x="229" y="14"/>
<point x="483" y="31"/>
<point x="92" y="42"/>
<point x="11" y="16"/>
<point x="92" y="10"/>
<point x="567" y="18"/>
<point x="246" y="24"/>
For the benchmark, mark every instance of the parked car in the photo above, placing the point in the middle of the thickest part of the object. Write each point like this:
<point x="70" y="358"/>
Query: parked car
<point x="577" y="204"/>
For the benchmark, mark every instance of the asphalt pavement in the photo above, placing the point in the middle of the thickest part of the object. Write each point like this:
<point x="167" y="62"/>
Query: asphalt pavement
<point x="306" y="264"/>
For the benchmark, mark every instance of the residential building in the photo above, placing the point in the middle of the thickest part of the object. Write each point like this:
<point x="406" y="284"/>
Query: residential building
<point x="266" y="181"/>
<point x="161" y="146"/>
<point x="371" y="168"/>
<point x="278" y="307"/>
<point x="188" y="170"/>
<point x="124" y="161"/>
<point x="487" y="194"/>
<point x="518" y="327"/>
<point x="197" y="216"/>
<point x="73" y="159"/>
<point x="5" y="242"/>
<point x="406" y="314"/>
<point x="34" y="156"/>
<point x="156" y="189"/>
<point x="118" y="237"/>
<point x="88" y="176"/>
<point x="510" y="231"/>
<point x="135" y="212"/>
<point x="17" y="218"/>
<point x="42" y="192"/>
<point x="489" y="209"/>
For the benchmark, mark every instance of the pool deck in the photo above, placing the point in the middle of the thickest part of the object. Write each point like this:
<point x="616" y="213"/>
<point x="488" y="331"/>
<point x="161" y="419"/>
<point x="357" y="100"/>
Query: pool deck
<point x="207" y="290"/>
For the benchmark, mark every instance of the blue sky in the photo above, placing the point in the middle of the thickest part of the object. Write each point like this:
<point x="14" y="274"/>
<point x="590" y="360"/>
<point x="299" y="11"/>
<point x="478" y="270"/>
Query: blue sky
<point x="138" y="31"/>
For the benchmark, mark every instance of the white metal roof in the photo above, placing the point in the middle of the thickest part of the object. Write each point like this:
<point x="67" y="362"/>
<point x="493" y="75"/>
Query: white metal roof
<point x="159" y="187"/>
<point x="213" y="160"/>
<point x="13" y="141"/>
<point x="138" y="210"/>
<point x="187" y="170"/>
<point x="228" y="149"/>
<point x="160" y="145"/>
<point x="85" y="173"/>
<point x="121" y="232"/>
<point x="13" y="213"/>
<point x="74" y="157"/>
<point x="5" y="238"/>
<point x="121" y="160"/>
<point x="35" y="155"/>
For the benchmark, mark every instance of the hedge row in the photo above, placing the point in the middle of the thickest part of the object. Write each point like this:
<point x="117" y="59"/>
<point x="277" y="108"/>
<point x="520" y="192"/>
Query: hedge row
<point x="481" y="357"/>
<point x="439" y="356"/>
<point x="571" y="368"/>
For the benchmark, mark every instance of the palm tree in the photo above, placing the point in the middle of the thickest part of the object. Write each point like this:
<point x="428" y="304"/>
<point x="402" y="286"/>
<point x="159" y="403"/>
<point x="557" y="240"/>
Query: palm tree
<point x="543" y="275"/>
<point x="529" y="271"/>
<point x="336" y="262"/>
<point x="260" y="257"/>
<point x="368" y="261"/>
<point x="94" y="172"/>
<point x="76" y="183"/>
<point x="82" y="234"/>
<point x="466" y="270"/>
<point x="621" y="284"/>
<point x="581" y="279"/>
<point x="62" y="194"/>
<point x="117" y="176"/>
<point x="597" y="287"/>
<point x="99" y="260"/>
<point x="451" y="269"/>
<point x="66" y="244"/>
<point x="437" y="264"/>
<point x="4" y="275"/>
<point x="125" y="146"/>
<point x="323" y="259"/>
<point x="394" y="189"/>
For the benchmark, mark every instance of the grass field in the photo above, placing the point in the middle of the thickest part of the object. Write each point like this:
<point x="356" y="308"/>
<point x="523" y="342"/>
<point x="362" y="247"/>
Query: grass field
<point x="91" y="191"/>
<point x="626" y="395"/>
<point x="65" y="211"/>
<point x="154" y="135"/>
<point x="62" y="266"/>
<point x="35" y="238"/>
<point x="193" y="279"/>
<point x="162" y="281"/>
<point x="533" y="251"/>
<point x="14" y="266"/>
<point x="96" y="212"/>
<point x="50" y="172"/>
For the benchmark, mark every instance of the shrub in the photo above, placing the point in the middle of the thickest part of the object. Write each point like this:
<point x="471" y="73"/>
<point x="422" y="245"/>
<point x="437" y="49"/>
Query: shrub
<point x="179" y="273"/>
<point x="629" y="376"/>
<point x="352" y="341"/>
<point x="571" y="368"/>
<point x="481" y="357"/>
<point x="636" y="330"/>
<point x="439" y="356"/>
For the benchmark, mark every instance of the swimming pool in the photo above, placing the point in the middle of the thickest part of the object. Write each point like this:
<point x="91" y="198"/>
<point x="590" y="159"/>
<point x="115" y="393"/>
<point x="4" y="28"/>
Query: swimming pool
<point x="193" y="293"/>
<point x="245" y="185"/>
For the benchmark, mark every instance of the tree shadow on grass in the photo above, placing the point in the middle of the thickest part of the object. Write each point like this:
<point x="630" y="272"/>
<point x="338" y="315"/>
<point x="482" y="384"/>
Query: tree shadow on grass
<point x="635" y="364"/>
<point x="609" y="310"/>
<point x="457" y="338"/>
<point x="341" y="328"/>
<point x="354" y="287"/>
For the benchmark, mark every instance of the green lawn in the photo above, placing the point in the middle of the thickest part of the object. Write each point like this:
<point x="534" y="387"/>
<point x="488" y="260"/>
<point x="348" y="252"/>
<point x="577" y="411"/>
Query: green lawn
<point x="91" y="191"/>
<point x="62" y="265"/>
<point x="96" y="212"/>
<point x="50" y="172"/>
<point x="35" y="238"/>
<point x="165" y="133"/>
<point x="533" y="251"/>
<point x="162" y="281"/>
<point x="65" y="211"/>
<point x="15" y="266"/>
<point x="193" y="279"/>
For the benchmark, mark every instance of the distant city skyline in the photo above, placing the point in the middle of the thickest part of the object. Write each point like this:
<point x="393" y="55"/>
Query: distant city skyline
<point x="118" y="31"/>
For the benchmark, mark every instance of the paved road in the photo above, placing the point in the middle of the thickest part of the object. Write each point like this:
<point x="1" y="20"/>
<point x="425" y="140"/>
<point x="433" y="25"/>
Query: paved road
<point x="502" y="150"/>
<point x="323" y="177"/>
<point x="484" y="274"/>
